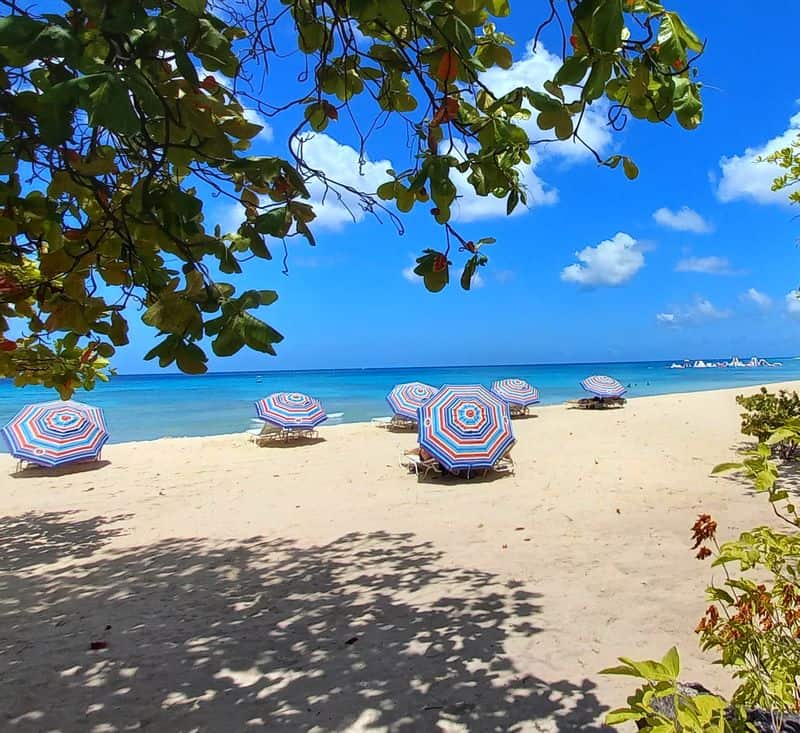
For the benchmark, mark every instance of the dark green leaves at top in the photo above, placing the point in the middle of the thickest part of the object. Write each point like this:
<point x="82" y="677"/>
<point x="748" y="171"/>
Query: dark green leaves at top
<point x="195" y="7"/>
<point x="573" y="70"/>
<point x="499" y="8"/>
<point x="111" y="107"/>
<point x="607" y="24"/>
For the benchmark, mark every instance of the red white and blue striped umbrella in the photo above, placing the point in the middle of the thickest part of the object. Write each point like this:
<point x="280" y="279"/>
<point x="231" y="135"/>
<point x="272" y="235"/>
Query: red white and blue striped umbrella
<point x="516" y="392"/>
<point x="602" y="386"/>
<point x="291" y="410"/>
<point x="465" y="427"/>
<point x="54" y="433"/>
<point x="406" y="399"/>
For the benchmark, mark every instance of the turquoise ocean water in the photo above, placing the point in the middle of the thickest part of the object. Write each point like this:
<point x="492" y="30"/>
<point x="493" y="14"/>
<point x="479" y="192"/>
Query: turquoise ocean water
<point x="147" y="407"/>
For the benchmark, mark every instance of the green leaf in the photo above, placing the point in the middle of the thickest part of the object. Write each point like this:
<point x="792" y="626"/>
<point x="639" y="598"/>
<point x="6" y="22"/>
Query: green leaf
<point x="230" y="338"/>
<point x="316" y="116"/>
<point x="195" y="7"/>
<point x="607" y="25"/>
<point x="572" y="71"/>
<point x="258" y="335"/>
<point x="615" y="717"/>
<point x="190" y="359"/>
<point x="630" y="168"/>
<point x="498" y="8"/>
<point x="686" y="34"/>
<point x="468" y="273"/>
<point x="18" y="30"/>
<point x="118" y="332"/>
<point x="111" y="108"/>
<point x="672" y="662"/>
<point x="725" y="467"/>
<point x="596" y="83"/>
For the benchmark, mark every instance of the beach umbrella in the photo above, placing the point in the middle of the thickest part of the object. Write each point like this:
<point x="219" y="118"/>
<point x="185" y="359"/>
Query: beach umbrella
<point x="601" y="386"/>
<point x="465" y="427"/>
<point x="516" y="392"/>
<point x="54" y="433"/>
<point x="291" y="410"/>
<point x="406" y="399"/>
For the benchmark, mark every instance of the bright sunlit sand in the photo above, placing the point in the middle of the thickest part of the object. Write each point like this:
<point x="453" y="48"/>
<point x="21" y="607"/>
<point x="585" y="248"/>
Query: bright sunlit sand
<point x="319" y="587"/>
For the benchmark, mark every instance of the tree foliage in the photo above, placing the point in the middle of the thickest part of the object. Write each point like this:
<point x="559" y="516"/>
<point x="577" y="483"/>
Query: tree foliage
<point x="788" y="159"/>
<point x="118" y="118"/>
<point x="766" y="412"/>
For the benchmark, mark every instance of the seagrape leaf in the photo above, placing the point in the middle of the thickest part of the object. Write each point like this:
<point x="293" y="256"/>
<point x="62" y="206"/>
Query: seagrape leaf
<point x="111" y="107"/>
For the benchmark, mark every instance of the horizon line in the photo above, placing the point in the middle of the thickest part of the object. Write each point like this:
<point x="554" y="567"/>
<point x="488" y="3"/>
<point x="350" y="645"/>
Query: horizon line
<point x="438" y="366"/>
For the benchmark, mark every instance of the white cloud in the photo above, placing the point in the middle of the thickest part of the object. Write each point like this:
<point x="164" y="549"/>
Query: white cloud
<point x="504" y="276"/>
<point x="254" y="116"/>
<point x="532" y="70"/>
<point x="793" y="303"/>
<point x="341" y="164"/>
<point x="761" y="300"/>
<point x="743" y="177"/>
<point x="705" y="309"/>
<point x="684" y="220"/>
<point x="702" y="310"/>
<point x="409" y="274"/>
<point x="707" y="265"/>
<point x="612" y="262"/>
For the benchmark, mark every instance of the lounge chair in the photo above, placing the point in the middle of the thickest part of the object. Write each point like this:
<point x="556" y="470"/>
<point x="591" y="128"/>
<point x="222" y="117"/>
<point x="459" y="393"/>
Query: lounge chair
<point x="269" y="433"/>
<point x="504" y="465"/>
<point x="395" y="422"/>
<point x="414" y="463"/>
<point x="598" y="403"/>
<point x="398" y="422"/>
<point x="518" y="410"/>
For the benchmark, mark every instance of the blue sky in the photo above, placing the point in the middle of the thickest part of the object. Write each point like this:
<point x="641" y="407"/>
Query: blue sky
<point x="693" y="259"/>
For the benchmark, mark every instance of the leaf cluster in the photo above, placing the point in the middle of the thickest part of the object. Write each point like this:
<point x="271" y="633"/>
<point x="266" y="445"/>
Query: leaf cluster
<point x="765" y="412"/>
<point x="117" y="120"/>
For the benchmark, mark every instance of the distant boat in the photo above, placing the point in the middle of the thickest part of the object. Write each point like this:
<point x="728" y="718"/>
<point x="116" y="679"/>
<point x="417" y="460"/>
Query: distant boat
<point x="734" y="363"/>
<point x="258" y="379"/>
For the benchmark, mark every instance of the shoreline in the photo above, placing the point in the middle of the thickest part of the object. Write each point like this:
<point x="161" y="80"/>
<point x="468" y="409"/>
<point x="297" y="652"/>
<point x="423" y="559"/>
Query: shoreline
<point x="792" y="385"/>
<point x="233" y="584"/>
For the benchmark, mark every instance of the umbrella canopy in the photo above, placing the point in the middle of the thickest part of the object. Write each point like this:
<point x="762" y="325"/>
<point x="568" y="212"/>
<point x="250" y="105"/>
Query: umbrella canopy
<point x="54" y="433"/>
<point x="465" y="427"/>
<point x="601" y="386"/>
<point x="406" y="399"/>
<point x="291" y="410"/>
<point x="516" y="392"/>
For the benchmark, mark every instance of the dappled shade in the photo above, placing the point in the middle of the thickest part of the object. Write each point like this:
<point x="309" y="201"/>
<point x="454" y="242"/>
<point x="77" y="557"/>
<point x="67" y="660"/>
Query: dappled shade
<point x="369" y="631"/>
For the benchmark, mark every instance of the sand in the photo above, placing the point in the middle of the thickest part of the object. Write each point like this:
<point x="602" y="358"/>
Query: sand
<point x="321" y="588"/>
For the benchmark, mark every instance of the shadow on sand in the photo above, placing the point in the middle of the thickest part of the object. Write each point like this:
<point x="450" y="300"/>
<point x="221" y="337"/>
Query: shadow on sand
<point x="31" y="471"/>
<point x="368" y="632"/>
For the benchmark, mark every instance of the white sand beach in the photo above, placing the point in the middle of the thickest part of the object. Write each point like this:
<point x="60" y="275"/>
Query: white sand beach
<point x="321" y="588"/>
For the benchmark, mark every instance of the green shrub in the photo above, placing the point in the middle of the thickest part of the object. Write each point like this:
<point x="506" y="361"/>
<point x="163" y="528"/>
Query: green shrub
<point x="753" y="620"/>
<point x="765" y="412"/>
